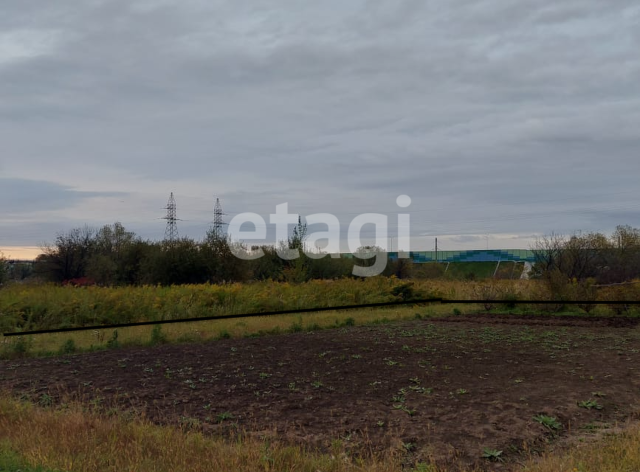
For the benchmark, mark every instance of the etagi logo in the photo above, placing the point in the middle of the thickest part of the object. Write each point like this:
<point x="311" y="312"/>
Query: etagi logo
<point x="282" y="219"/>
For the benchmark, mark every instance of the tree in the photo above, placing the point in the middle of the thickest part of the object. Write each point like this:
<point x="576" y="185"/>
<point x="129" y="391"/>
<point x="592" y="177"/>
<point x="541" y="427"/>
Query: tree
<point x="222" y="264"/>
<point x="4" y="269"/>
<point x="68" y="257"/>
<point x="589" y="255"/>
<point x="299" y="235"/>
<point x="371" y="260"/>
<point x="108" y="261"/>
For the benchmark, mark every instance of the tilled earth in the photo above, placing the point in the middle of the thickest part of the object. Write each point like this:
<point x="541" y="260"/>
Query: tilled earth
<point x="440" y="389"/>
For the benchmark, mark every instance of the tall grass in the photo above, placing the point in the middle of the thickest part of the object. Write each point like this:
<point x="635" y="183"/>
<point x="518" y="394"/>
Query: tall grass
<point x="35" y="439"/>
<point x="35" y="307"/>
<point x="77" y="441"/>
<point x="50" y="306"/>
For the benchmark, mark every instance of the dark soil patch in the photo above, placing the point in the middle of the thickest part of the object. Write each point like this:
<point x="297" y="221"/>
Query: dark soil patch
<point x="445" y="389"/>
<point x="547" y="320"/>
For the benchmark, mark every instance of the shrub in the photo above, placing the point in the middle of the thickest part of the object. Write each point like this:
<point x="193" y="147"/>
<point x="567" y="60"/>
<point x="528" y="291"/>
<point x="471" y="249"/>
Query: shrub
<point x="113" y="342"/>
<point x="68" y="347"/>
<point x="157" y="336"/>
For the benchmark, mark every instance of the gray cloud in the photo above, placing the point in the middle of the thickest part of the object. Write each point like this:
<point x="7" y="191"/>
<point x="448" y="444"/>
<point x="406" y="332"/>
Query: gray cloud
<point x="495" y="116"/>
<point x="24" y="196"/>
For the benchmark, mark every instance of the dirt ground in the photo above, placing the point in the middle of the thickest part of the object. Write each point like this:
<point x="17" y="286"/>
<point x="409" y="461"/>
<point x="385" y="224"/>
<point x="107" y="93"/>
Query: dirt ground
<point x="441" y="389"/>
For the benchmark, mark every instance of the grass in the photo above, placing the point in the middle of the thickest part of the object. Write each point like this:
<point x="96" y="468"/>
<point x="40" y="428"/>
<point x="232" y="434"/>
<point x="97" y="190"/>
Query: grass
<point x="35" y="439"/>
<point x="58" y="343"/>
<point x="26" y="307"/>
<point x="76" y="440"/>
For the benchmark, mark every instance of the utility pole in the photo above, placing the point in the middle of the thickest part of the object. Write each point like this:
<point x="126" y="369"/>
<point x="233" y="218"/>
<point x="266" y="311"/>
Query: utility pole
<point x="171" y="231"/>
<point x="218" y="222"/>
<point x="436" y="249"/>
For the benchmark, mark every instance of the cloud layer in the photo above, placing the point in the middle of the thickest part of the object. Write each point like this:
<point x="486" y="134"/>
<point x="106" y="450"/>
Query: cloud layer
<point x="494" y="116"/>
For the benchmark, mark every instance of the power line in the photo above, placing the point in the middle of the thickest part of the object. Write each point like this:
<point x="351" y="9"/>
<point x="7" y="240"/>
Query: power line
<point x="171" y="231"/>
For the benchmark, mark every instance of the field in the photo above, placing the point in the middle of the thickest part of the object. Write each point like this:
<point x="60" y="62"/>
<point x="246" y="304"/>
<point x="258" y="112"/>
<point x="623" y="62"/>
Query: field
<point x="418" y="388"/>
<point x="443" y="390"/>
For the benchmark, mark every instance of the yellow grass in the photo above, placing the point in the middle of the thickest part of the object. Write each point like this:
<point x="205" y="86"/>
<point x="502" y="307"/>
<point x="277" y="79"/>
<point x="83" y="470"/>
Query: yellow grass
<point x="75" y="439"/>
<point x="614" y="453"/>
<point x="235" y="328"/>
<point x="79" y="441"/>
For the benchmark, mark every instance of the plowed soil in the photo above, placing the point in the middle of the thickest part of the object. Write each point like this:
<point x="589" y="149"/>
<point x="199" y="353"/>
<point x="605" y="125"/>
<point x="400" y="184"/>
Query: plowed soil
<point x="445" y="389"/>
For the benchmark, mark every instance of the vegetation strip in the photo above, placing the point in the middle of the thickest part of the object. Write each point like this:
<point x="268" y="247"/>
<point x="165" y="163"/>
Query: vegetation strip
<point x="328" y="308"/>
<point x="226" y="317"/>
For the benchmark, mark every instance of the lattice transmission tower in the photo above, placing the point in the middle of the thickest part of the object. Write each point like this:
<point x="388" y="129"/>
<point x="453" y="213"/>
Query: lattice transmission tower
<point x="217" y="229"/>
<point x="171" y="232"/>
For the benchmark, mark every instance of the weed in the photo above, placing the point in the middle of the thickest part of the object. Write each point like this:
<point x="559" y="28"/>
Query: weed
<point x="45" y="400"/>
<point x="424" y="467"/>
<point x="21" y="346"/>
<point x="224" y="416"/>
<point x="590" y="404"/>
<point x="189" y="422"/>
<point x="548" y="422"/>
<point x="157" y="336"/>
<point x="408" y="446"/>
<point x="113" y="343"/>
<point x="69" y="347"/>
<point x="492" y="454"/>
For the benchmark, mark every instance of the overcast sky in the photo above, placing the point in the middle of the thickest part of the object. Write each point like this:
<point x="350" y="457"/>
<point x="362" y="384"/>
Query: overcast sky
<point x="498" y="118"/>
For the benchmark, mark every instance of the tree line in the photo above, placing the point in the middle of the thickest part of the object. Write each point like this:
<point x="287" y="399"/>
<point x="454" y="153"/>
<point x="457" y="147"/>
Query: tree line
<point x="112" y="255"/>
<point x="589" y="256"/>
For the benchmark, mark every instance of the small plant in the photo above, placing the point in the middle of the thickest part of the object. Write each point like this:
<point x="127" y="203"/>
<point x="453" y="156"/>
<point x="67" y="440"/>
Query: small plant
<point x="349" y="322"/>
<point x="224" y="416"/>
<point x="224" y="334"/>
<point x="548" y="422"/>
<point x="462" y="391"/>
<point x="45" y="400"/>
<point x="590" y="405"/>
<point x="317" y="384"/>
<point x="457" y="312"/>
<point x="113" y="342"/>
<point x="188" y="422"/>
<point x="21" y="346"/>
<point x="408" y="446"/>
<point x="380" y="424"/>
<point x="157" y="336"/>
<point x="69" y="347"/>
<point x="492" y="454"/>
<point x="424" y="467"/>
